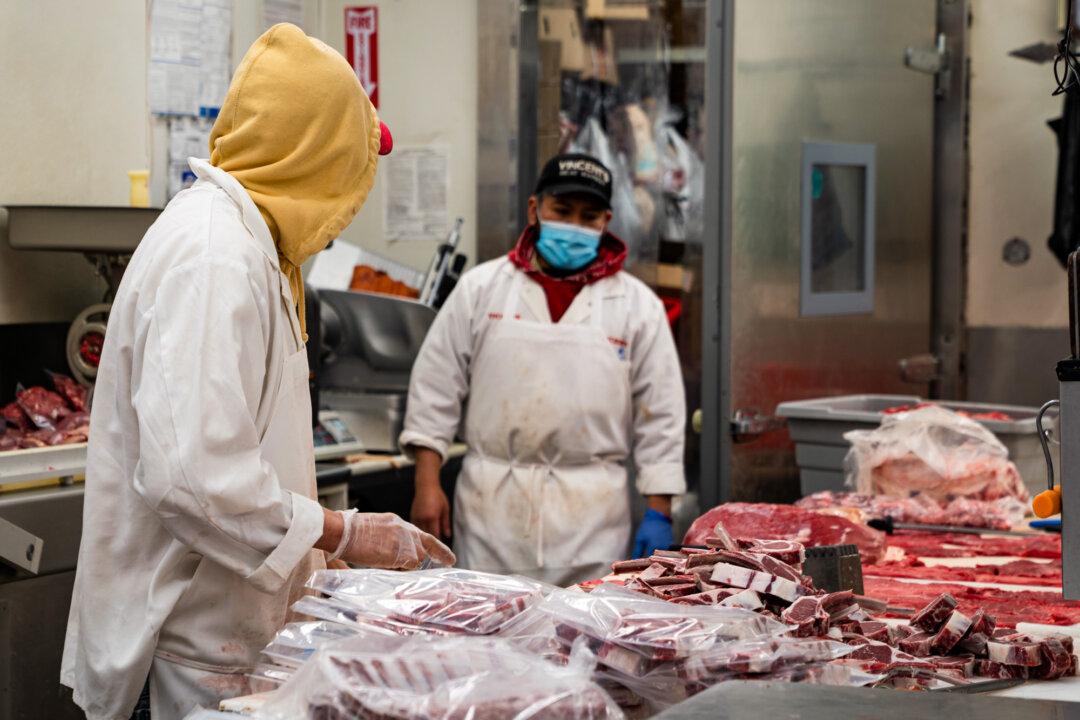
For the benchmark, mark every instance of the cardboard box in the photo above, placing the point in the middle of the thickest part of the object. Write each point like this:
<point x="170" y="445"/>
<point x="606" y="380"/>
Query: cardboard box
<point x="561" y="25"/>
<point x="617" y="10"/>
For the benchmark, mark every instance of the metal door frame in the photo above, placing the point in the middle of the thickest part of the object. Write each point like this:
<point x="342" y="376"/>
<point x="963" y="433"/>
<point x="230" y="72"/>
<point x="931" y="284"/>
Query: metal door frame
<point x="950" y="173"/>
<point x="716" y="444"/>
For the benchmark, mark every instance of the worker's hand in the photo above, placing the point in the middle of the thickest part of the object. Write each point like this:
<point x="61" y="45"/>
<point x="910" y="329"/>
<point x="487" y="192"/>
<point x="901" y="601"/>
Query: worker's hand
<point x="383" y="540"/>
<point x="654" y="533"/>
<point x="431" y="510"/>
<point x="336" y="564"/>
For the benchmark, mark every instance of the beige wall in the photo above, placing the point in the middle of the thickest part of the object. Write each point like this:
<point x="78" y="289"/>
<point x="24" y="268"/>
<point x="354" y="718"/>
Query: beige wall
<point x="1013" y="168"/>
<point x="74" y="120"/>
<point x="428" y="94"/>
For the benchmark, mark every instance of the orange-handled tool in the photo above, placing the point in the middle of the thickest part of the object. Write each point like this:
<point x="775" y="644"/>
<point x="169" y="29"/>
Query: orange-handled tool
<point x="1048" y="502"/>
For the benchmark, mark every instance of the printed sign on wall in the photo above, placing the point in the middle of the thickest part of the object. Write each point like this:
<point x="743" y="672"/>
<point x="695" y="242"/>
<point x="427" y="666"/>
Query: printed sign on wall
<point x="362" y="47"/>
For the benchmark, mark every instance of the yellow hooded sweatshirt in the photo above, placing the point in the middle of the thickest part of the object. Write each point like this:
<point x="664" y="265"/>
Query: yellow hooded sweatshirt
<point x="300" y="134"/>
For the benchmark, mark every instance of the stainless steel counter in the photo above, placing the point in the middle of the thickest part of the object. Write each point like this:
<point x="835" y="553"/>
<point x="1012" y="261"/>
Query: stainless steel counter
<point x="786" y="701"/>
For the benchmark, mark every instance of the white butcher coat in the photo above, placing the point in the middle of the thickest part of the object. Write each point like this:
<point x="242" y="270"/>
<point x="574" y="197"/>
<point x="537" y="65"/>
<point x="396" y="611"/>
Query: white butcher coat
<point x="551" y="413"/>
<point x="200" y="516"/>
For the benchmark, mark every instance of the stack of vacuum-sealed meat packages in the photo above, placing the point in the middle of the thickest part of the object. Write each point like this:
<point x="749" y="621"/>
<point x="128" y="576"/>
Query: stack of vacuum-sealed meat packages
<point x="430" y="677"/>
<point x="652" y="653"/>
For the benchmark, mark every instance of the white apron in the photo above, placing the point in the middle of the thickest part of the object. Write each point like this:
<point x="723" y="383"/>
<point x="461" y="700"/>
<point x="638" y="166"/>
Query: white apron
<point x="543" y="490"/>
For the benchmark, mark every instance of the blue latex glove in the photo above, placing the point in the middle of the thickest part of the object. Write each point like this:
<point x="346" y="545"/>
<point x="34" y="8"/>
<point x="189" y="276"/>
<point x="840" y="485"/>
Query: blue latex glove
<point x="654" y="533"/>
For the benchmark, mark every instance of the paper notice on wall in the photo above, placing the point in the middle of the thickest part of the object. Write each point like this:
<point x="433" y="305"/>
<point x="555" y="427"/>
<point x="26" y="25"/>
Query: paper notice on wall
<point x="332" y="269"/>
<point x="417" y="183"/>
<point x="283" y="11"/>
<point x="175" y="48"/>
<point x="188" y="137"/>
<point x="215" y="61"/>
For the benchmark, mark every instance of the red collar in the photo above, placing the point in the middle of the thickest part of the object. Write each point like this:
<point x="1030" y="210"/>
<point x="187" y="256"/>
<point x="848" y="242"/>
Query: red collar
<point x="610" y="259"/>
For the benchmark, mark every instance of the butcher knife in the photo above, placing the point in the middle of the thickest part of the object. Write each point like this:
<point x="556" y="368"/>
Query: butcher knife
<point x="890" y="526"/>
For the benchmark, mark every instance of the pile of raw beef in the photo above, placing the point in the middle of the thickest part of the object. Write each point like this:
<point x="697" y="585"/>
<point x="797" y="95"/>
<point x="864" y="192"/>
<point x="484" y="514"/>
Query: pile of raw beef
<point x="40" y="417"/>
<point x="941" y="643"/>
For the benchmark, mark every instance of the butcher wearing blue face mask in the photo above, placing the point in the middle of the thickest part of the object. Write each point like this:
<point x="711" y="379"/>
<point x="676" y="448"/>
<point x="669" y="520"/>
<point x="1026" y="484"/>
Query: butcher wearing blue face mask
<point x="562" y="370"/>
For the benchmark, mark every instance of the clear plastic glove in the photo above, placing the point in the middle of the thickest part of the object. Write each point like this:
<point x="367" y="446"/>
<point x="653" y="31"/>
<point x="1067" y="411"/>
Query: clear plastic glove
<point x="654" y="533"/>
<point x="383" y="540"/>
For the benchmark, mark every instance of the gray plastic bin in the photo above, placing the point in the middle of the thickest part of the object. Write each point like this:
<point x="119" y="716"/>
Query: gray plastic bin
<point x="817" y="427"/>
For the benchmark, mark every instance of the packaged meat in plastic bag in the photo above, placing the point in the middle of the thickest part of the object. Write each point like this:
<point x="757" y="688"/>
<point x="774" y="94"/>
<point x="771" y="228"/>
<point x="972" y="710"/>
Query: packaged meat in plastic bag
<point x="430" y="678"/>
<point x="933" y="451"/>
<point x="14" y="416"/>
<point x="298" y="641"/>
<point x="446" y="598"/>
<point x="44" y="407"/>
<point x="338" y="611"/>
<point x="759" y="656"/>
<point x="73" y="392"/>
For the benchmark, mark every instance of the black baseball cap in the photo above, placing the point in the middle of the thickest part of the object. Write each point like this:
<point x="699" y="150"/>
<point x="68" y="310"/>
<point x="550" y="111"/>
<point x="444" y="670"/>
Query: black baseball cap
<point x="576" y="173"/>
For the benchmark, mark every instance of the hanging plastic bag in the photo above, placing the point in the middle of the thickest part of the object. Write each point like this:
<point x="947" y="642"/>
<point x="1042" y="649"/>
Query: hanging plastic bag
<point x="626" y="222"/>
<point x="935" y="452"/>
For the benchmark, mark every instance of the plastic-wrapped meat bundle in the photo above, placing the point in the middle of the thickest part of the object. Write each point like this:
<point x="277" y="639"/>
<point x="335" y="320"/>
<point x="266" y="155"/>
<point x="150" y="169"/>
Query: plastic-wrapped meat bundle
<point x="652" y="629"/>
<point x="14" y="416"/>
<point x="44" y="407"/>
<point x="446" y="598"/>
<point x="760" y="656"/>
<point x="75" y="428"/>
<point x="935" y="452"/>
<point x="73" y="392"/>
<point x="763" y="521"/>
<point x="463" y="678"/>
<point x="295" y="643"/>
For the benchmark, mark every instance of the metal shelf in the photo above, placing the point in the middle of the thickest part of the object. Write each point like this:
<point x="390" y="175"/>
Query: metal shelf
<point x="18" y="466"/>
<point x="78" y="228"/>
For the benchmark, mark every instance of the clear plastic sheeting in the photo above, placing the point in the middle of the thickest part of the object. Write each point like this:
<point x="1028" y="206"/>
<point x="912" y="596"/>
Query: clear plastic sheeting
<point x="935" y="452"/>
<point x="429" y="678"/>
<point x="444" y="599"/>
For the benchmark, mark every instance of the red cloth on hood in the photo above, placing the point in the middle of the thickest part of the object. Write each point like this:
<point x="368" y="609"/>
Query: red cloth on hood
<point x="561" y="291"/>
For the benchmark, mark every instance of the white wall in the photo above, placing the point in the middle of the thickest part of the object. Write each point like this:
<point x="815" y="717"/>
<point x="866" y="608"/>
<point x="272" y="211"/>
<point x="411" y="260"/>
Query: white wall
<point x="1013" y="168"/>
<point x="73" y="121"/>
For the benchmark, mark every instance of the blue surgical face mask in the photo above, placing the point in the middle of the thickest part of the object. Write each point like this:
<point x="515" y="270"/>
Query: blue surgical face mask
<point x="566" y="246"/>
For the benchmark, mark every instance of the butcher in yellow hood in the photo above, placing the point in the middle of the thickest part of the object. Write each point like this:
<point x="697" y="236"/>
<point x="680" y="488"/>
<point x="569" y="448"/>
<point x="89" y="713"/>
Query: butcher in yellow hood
<point x="202" y="522"/>
<point x="300" y="134"/>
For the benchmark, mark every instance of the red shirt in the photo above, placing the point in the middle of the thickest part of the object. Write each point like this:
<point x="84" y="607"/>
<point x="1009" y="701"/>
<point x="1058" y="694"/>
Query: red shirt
<point x="561" y="291"/>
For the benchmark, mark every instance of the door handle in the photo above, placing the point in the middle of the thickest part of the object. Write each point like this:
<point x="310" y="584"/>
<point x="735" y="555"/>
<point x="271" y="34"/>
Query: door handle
<point x="747" y="424"/>
<point x="920" y="369"/>
<point x="20" y="548"/>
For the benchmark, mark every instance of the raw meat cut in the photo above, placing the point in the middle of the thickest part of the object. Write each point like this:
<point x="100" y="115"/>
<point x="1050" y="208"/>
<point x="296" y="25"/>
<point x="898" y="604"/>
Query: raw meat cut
<point x="997" y="671"/>
<point x="1057" y="660"/>
<point x="808" y="616"/>
<point x="786" y="551"/>
<point x="757" y="521"/>
<point x="1002" y="513"/>
<point x="624" y="566"/>
<point x="1016" y="572"/>
<point x="945" y="545"/>
<point x="994" y="415"/>
<point x="73" y="392"/>
<point x="981" y="630"/>
<point x="931" y="617"/>
<point x="721" y="538"/>
<point x="1028" y="654"/>
<point x="44" y="407"/>
<point x="1008" y="607"/>
<point x="951" y="633"/>
<point x="741" y="577"/>
<point x="15" y="417"/>
<point x="919" y="645"/>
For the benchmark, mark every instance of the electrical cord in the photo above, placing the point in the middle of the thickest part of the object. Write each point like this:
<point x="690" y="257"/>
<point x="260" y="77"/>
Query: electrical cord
<point x="1067" y="77"/>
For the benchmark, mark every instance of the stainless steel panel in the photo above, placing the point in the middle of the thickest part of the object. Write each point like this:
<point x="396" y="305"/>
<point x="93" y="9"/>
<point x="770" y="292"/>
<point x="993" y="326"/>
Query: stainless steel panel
<point x="33" y="619"/>
<point x="1014" y="365"/>
<point x="950" y="200"/>
<point x="497" y="154"/>
<point x="52" y="514"/>
<point x="1070" y="487"/>
<point x="82" y="229"/>
<point x="826" y="71"/>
